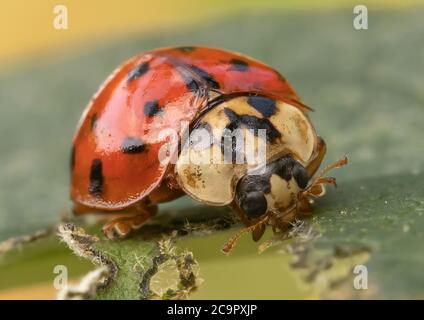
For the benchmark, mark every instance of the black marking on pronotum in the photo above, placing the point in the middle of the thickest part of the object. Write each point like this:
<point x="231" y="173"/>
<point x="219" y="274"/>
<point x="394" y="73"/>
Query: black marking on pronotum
<point x="186" y="49"/>
<point x="220" y="99"/>
<point x="138" y="71"/>
<point x="96" y="178"/>
<point x="287" y="167"/>
<point x="300" y="175"/>
<point x="239" y="65"/>
<point x="243" y="121"/>
<point x="93" y="121"/>
<point x="263" y="105"/>
<point x="151" y="108"/>
<point x="284" y="167"/>
<point x="251" y="122"/>
<point x="133" y="145"/>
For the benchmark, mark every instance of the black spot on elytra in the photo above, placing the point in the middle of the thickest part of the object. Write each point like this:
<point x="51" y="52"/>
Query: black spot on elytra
<point x="193" y="85"/>
<point x="193" y="82"/>
<point x="132" y="145"/>
<point x="151" y="108"/>
<point x="93" y="121"/>
<point x="138" y="71"/>
<point x="211" y="82"/>
<point x="187" y="49"/>
<point x="263" y="105"/>
<point x="72" y="158"/>
<point x="196" y="79"/>
<point x="239" y="65"/>
<point x="95" y="187"/>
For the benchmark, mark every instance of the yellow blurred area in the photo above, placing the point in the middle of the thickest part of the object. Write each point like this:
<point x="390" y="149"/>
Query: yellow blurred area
<point x="43" y="291"/>
<point x="26" y="27"/>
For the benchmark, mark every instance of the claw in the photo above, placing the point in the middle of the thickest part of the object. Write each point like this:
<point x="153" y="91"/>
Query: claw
<point x="113" y="231"/>
<point x="317" y="190"/>
<point x="327" y="180"/>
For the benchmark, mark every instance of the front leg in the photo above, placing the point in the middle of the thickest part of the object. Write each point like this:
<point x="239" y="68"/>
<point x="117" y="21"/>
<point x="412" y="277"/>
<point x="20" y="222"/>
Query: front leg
<point x="316" y="188"/>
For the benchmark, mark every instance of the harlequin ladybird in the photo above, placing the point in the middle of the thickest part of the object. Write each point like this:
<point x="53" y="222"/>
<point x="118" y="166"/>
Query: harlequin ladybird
<point x="133" y="148"/>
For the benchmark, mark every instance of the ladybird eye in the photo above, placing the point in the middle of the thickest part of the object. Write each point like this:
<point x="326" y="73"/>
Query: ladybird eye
<point x="254" y="204"/>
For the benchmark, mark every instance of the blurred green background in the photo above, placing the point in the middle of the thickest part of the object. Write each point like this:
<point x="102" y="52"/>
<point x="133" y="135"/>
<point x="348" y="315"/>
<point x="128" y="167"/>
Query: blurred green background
<point x="366" y="86"/>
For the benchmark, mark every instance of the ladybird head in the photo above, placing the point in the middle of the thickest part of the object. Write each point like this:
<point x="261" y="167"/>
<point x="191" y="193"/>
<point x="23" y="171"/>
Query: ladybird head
<point x="276" y="215"/>
<point x="267" y="195"/>
<point x="274" y="187"/>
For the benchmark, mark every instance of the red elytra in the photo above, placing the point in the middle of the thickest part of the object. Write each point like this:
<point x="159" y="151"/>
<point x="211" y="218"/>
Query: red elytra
<point x="115" y="150"/>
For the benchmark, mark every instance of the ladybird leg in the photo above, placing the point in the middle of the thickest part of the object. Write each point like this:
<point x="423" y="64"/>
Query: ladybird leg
<point x="317" y="186"/>
<point x="257" y="228"/>
<point x="258" y="231"/>
<point x="122" y="226"/>
<point x="317" y="190"/>
<point x="284" y="218"/>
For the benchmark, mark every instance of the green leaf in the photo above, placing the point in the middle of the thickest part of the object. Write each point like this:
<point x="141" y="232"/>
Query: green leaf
<point x="377" y="222"/>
